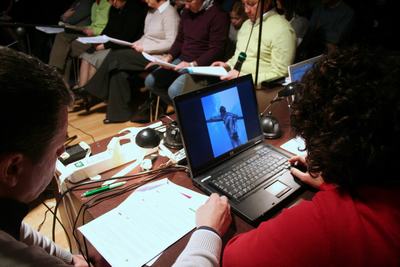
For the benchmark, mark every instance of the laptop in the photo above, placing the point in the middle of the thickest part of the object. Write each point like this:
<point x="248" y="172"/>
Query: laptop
<point x="297" y="70"/>
<point x="222" y="137"/>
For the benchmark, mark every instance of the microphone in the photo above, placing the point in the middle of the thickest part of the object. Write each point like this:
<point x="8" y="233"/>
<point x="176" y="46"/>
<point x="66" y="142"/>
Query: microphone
<point x="241" y="58"/>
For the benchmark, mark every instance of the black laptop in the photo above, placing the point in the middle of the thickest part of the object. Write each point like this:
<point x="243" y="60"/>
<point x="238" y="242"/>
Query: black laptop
<point x="225" y="148"/>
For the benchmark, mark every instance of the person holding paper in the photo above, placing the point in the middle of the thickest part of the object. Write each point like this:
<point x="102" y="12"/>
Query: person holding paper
<point x="110" y="82"/>
<point x="65" y="45"/>
<point x="125" y="22"/>
<point x="354" y="218"/>
<point x="278" y="44"/>
<point x="29" y="149"/>
<point x="201" y="40"/>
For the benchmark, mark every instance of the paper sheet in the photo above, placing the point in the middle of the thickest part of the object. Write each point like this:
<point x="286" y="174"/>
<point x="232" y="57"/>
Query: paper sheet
<point x="212" y="71"/>
<point x="294" y="145"/>
<point x="101" y="39"/>
<point x="157" y="60"/>
<point x="154" y="217"/>
<point x="49" y="30"/>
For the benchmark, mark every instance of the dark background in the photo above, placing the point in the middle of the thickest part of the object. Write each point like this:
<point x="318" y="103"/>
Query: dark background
<point x="375" y="23"/>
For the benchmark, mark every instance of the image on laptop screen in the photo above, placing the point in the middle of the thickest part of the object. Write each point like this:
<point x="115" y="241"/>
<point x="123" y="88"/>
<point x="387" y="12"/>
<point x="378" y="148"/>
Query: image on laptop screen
<point x="224" y="118"/>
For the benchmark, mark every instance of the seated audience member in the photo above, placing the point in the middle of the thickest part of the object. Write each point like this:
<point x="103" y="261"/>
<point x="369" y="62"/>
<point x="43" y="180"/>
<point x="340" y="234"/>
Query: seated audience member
<point x="277" y="50"/>
<point x="125" y="22"/>
<point x="237" y="16"/>
<point x="65" y="44"/>
<point x="294" y="12"/>
<point x="354" y="220"/>
<point x="330" y="26"/>
<point x="29" y="148"/>
<point x="278" y="44"/>
<point x="78" y="14"/>
<point x="111" y="80"/>
<point x="201" y="40"/>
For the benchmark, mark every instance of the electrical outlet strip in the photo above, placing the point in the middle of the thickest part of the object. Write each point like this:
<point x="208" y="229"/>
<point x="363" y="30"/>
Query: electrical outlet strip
<point x="115" y="155"/>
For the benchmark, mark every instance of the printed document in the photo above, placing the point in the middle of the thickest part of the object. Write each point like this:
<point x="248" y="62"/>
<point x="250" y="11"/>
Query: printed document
<point x="150" y="220"/>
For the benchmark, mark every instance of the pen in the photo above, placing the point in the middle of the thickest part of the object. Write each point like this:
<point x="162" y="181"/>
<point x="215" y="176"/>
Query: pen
<point x="102" y="189"/>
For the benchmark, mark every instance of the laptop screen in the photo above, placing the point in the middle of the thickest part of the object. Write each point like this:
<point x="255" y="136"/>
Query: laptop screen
<point x="297" y="71"/>
<point x="218" y="121"/>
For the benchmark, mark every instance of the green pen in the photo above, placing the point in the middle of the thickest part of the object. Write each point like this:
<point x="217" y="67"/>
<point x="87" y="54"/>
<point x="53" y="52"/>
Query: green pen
<point x="102" y="189"/>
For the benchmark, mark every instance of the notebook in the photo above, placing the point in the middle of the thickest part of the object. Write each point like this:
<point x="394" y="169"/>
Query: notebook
<point x="297" y="70"/>
<point x="221" y="133"/>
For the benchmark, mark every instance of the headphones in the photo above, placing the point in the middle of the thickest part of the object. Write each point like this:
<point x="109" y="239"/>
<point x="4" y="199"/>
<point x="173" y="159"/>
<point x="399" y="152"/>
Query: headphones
<point x="172" y="136"/>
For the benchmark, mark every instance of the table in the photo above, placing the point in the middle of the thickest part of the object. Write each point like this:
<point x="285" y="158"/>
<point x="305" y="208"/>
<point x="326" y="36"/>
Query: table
<point x="72" y="201"/>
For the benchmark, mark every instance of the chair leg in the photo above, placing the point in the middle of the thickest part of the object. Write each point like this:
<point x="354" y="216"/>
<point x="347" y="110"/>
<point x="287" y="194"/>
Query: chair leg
<point x="157" y="108"/>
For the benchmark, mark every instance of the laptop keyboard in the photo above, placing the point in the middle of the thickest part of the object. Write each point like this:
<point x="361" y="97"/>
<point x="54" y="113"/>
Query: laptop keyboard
<point x="249" y="174"/>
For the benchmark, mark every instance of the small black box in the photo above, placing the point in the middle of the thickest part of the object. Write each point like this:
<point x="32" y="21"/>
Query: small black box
<point x="72" y="154"/>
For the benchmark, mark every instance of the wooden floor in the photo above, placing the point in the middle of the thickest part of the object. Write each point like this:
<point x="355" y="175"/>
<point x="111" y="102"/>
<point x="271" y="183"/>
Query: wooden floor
<point x="87" y="127"/>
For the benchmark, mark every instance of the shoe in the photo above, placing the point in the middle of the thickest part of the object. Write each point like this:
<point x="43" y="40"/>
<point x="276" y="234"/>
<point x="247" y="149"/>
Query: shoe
<point x="88" y="100"/>
<point x="107" y="121"/>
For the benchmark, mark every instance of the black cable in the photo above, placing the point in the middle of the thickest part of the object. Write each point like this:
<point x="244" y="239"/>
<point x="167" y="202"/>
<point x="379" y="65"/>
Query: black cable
<point x="82" y="131"/>
<point x="44" y="218"/>
<point x="126" y="177"/>
<point x="62" y="225"/>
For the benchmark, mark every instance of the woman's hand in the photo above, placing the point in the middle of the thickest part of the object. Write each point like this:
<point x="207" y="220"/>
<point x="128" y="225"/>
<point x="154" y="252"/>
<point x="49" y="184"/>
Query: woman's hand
<point x="100" y="47"/>
<point x="182" y="65"/>
<point x="88" y="32"/>
<point x="137" y="47"/>
<point x="232" y="74"/>
<point x="304" y="176"/>
<point x="221" y="64"/>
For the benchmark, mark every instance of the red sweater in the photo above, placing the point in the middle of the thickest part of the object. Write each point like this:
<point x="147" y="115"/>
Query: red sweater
<point x="331" y="230"/>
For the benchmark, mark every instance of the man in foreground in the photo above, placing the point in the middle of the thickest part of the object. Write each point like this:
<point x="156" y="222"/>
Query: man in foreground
<point x="33" y="104"/>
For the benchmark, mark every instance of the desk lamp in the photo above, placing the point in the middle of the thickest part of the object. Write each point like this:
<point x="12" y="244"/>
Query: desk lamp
<point x="269" y="123"/>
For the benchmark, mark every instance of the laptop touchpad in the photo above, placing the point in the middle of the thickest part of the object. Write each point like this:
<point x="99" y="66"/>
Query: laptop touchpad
<point x="277" y="188"/>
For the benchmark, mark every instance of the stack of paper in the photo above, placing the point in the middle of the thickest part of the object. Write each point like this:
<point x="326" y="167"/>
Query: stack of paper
<point x="154" y="217"/>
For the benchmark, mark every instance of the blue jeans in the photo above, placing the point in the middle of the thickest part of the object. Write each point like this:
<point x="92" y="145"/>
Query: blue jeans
<point x="161" y="81"/>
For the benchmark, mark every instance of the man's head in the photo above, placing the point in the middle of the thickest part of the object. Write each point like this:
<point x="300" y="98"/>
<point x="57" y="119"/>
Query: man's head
<point x="194" y="5"/>
<point x="348" y="111"/>
<point x="33" y="104"/>
<point x="222" y="110"/>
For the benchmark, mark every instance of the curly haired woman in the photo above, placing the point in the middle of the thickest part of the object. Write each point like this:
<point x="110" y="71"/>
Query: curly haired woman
<point x="348" y="112"/>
